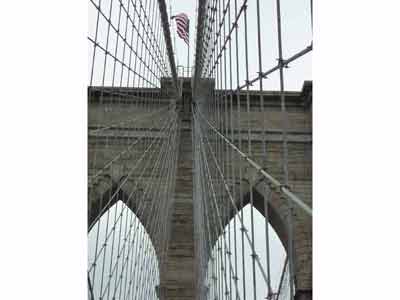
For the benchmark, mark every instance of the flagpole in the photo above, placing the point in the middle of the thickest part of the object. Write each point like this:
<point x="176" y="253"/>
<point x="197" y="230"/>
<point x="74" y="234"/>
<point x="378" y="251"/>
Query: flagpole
<point x="188" y="47"/>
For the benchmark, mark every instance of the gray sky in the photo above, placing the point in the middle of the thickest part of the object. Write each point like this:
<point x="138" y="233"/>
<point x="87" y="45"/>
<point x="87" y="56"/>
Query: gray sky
<point x="277" y="254"/>
<point x="296" y="35"/>
<point x="139" y="246"/>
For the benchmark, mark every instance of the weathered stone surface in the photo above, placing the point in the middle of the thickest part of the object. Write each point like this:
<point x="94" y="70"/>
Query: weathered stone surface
<point x="177" y="275"/>
<point x="178" y="280"/>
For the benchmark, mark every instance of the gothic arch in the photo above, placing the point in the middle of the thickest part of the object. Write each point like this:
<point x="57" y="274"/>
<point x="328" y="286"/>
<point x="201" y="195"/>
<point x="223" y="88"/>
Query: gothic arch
<point x="106" y="194"/>
<point x="278" y="210"/>
<point x="142" y="257"/>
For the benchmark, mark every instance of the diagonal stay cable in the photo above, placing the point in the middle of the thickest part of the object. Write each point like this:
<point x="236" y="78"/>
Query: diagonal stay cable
<point x="128" y="121"/>
<point x="140" y="208"/>
<point x="118" y="156"/>
<point x="235" y="207"/>
<point x="129" y="173"/>
<point x="139" y="214"/>
<point x="202" y="153"/>
<point x="129" y="197"/>
<point x="285" y="190"/>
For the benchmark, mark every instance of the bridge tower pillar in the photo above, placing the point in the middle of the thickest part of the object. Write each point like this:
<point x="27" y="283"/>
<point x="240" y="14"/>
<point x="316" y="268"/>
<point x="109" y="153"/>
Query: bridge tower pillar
<point x="177" y="277"/>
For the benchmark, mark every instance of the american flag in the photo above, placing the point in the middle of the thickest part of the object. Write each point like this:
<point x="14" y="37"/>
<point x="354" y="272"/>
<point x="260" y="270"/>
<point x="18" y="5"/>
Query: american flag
<point x="182" y="26"/>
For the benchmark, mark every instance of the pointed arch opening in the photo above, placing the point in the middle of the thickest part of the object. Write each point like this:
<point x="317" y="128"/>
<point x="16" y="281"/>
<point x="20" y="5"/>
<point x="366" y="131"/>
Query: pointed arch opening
<point x="123" y="262"/>
<point x="231" y="257"/>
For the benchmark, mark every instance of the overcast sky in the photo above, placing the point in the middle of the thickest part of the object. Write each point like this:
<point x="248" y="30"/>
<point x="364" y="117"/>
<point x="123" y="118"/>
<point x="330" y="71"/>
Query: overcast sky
<point x="296" y="35"/>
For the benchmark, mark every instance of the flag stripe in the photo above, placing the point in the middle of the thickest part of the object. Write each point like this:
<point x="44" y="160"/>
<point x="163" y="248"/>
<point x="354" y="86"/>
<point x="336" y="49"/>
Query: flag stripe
<point x="185" y="37"/>
<point x="182" y="32"/>
<point x="181" y="23"/>
<point x="182" y="27"/>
